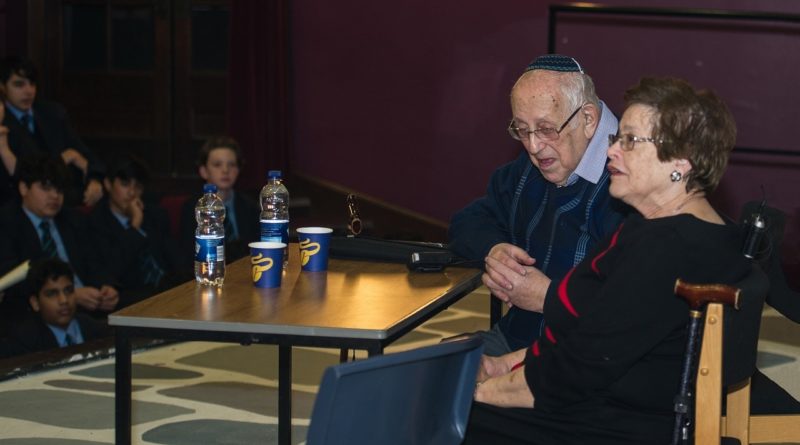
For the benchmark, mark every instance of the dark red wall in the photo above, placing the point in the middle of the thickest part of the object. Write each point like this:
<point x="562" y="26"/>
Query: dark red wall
<point x="408" y="101"/>
<point x="13" y="27"/>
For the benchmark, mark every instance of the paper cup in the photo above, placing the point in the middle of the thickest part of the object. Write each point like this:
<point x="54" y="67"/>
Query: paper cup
<point x="266" y="261"/>
<point x="314" y="243"/>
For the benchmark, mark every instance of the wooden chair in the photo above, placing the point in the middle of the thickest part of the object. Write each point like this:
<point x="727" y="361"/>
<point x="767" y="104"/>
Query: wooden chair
<point x="725" y="365"/>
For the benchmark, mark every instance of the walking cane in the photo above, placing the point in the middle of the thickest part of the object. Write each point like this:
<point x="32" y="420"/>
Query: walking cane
<point x="698" y="296"/>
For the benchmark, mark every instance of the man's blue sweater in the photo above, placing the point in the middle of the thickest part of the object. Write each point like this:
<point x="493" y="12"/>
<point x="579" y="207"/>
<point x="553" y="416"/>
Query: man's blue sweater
<point x="555" y="225"/>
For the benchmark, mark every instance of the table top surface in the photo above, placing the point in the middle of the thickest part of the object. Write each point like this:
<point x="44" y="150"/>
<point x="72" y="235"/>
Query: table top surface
<point x="355" y="299"/>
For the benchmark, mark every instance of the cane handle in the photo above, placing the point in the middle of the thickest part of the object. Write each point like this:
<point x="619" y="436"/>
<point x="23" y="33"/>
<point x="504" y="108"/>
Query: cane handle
<point x="698" y="295"/>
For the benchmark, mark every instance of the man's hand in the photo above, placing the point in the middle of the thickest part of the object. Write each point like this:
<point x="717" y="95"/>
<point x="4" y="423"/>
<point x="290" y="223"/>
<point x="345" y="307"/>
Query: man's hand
<point x="88" y="297"/>
<point x="500" y="280"/>
<point x="74" y="157"/>
<point x="136" y="213"/>
<point x="93" y="192"/>
<point x="512" y="256"/>
<point x="110" y="298"/>
<point x="526" y="290"/>
<point x="7" y="157"/>
<point x="514" y="259"/>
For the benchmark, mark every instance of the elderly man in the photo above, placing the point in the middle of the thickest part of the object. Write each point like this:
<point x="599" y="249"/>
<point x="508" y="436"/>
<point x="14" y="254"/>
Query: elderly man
<point x="550" y="205"/>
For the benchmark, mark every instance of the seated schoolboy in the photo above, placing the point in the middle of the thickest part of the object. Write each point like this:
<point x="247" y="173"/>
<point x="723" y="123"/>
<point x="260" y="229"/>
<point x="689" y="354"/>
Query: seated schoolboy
<point x="131" y="236"/>
<point x="218" y="163"/>
<point x="38" y="226"/>
<point x="37" y="126"/>
<point x="56" y="322"/>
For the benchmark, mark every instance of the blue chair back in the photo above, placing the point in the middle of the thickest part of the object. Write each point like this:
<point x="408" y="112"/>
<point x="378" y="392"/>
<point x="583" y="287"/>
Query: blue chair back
<point x="422" y="396"/>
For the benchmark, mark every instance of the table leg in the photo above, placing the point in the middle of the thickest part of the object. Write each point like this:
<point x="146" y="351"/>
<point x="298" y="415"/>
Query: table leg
<point x="284" y="395"/>
<point x="122" y="389"/>
<point x="375" y="350"/>
<point x="495" y="310"/>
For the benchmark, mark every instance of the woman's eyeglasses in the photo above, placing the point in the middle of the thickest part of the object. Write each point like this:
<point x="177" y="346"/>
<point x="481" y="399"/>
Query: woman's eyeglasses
<point x="627" y="141"/>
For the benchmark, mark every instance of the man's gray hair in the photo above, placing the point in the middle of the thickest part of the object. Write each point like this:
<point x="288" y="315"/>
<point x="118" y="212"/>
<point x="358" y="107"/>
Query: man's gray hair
<point x="578" y="89"/>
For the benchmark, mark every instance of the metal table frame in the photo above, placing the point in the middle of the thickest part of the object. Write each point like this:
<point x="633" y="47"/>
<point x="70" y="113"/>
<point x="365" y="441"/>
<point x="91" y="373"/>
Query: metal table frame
<point x="372" y="341"/>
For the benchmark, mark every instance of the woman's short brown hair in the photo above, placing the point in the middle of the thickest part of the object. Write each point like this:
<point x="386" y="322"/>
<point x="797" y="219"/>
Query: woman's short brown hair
<point x="689" y="124"/>
<point x="215" y="142"/>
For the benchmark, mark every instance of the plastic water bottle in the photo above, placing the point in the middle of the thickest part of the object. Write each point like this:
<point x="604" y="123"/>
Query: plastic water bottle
<point x="209" y="238"/>
<point x="274" y="219"/>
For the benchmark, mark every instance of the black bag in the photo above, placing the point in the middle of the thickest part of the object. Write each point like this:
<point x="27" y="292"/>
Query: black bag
<point x="418" y="256"/>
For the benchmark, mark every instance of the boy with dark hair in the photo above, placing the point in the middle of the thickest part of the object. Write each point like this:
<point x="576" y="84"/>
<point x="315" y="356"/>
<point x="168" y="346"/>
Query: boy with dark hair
<point x="218" y="163"/>
<point x="51" y="288"/>
<point x="131" y="236"/>
<point x="37" y="126"/>
<point x="38" y="227"/>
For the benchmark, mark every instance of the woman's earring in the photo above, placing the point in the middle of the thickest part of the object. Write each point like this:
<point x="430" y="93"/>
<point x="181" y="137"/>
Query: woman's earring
<point x="675" y="176"/>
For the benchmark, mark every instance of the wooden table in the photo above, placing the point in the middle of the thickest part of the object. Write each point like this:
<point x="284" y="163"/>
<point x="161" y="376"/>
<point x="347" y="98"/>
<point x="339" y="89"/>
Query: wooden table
<point x="355" y="305"/>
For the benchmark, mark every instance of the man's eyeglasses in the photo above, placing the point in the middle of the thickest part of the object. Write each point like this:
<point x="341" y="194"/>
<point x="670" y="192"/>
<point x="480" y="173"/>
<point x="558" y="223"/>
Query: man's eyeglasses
<point x="627" y="141"/>
<point x="543" y="133"/>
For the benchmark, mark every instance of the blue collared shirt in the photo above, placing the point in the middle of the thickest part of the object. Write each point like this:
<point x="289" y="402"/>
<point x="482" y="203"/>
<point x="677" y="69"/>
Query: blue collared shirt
<point x="60" y="249"/>
<point x="594" y="159"/>
<point x="125" y="221"/>
<point x="19" y="113"/>
<point x="73" y="330"/>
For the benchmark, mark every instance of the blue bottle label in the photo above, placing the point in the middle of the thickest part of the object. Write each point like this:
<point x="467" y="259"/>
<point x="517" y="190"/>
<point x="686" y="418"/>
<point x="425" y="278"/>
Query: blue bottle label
<point x="275" y="230"/>
<point x="209" y="248"/>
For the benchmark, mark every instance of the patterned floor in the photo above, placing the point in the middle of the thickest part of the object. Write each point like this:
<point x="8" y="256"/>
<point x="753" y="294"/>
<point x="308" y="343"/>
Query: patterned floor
<point x="189" y="393"/>
<point x="215" y="393"/>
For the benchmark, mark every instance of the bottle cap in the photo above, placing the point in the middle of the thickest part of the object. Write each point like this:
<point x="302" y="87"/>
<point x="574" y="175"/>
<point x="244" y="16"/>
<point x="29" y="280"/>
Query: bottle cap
<point x="209" y="188"/>
<point x="274" y="174"/>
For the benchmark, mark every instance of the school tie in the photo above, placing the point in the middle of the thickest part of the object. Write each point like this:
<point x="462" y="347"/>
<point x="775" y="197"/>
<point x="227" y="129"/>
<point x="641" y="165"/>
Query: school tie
<point x="148" y="266"/>
<point x="151" y="271"/>
<point x="27" y="122"/>
<point x="48" y="243"/>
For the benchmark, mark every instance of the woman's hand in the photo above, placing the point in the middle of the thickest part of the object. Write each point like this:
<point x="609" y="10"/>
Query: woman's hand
<point x="507" y="391"/>
<point x="498" y="366"/>
<point x="491" y="367"/>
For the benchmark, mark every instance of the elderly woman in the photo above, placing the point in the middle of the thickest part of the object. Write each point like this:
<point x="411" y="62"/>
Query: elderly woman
<point x="607" y="367"/>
